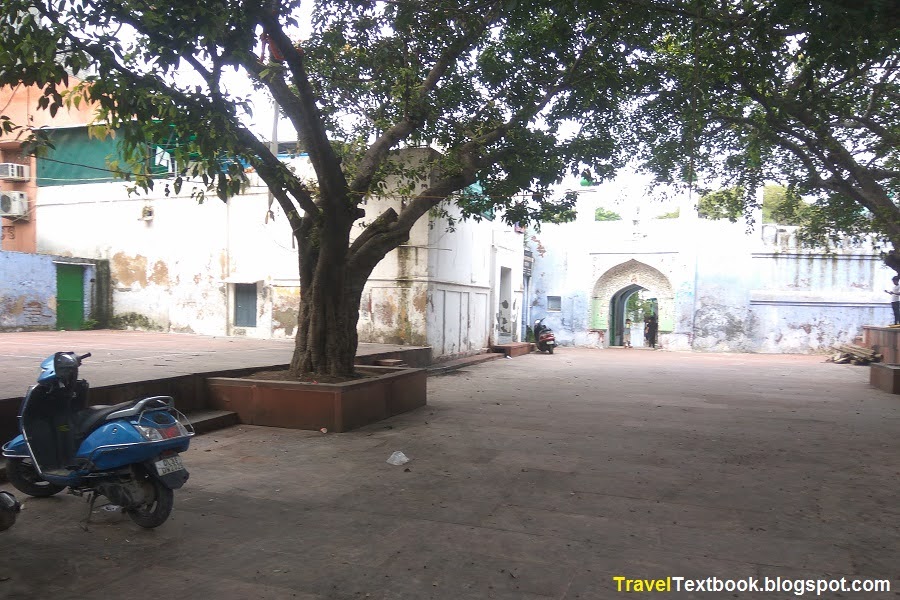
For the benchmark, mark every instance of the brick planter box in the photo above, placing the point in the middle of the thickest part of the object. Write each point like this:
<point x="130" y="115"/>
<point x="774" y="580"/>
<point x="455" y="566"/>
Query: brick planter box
<point x="336" y="406"/>
<point x="884" y="340"/>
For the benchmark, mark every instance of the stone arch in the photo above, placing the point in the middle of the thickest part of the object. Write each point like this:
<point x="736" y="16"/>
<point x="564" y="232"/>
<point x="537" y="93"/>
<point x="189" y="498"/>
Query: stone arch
<point x="632" y="275"/>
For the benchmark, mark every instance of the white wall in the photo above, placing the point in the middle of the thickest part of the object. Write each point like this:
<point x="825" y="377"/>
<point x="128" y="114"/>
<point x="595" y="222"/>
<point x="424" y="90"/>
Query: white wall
<point x="179" y="268"/>
<point x="175" y="268"/>
<point x="464" y="292"/>
<point x="731" y="290"/>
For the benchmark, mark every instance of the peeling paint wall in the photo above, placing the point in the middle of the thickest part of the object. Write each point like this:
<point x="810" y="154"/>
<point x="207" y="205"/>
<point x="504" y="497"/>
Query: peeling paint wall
<point x="28" y="290"/>
<point x="719" y="287"/>
<point x="806" y="301"/>
<point x="177" y="271"/>
<point x="586" y="262"/>
<point x="442" y="287"/>
<point x="285" y="309"/>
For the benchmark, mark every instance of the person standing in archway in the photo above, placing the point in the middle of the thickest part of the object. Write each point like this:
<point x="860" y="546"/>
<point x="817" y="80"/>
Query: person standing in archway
<point x="651" y="327"/>
<point x="895" y="298"/>
<point x="626" y="334"/>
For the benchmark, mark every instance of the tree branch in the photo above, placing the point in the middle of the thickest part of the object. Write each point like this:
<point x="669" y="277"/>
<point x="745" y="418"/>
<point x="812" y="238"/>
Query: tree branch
<point x="880" y="130"/>
<point x="304" y="113"/>
<point x="394" y="230"/>
<point x="402" y="129"/>
<point x="266" y="163"/>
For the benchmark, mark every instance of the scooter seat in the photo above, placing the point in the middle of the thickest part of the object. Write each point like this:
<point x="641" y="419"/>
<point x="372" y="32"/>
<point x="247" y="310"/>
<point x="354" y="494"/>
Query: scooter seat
<point x="88" y="419"/>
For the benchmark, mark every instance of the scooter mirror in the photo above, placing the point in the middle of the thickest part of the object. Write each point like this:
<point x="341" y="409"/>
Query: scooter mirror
<point x="9" y="508"/>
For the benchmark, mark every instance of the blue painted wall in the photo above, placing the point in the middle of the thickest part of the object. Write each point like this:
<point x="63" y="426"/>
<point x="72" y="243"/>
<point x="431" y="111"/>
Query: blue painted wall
<point x="28" y="289"/>
<point x="732" y="290"/>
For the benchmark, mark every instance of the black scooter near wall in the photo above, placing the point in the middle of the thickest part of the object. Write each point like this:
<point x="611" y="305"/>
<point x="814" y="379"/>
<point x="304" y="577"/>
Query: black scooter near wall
<point x="544" y="337"/>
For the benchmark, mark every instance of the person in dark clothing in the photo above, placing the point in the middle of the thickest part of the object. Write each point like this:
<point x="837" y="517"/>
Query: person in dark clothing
<point x="895" y="298"/>
<point x="650" y="328"/>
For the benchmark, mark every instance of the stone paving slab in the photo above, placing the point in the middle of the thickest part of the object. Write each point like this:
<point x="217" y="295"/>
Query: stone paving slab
<point x="533" y="478"/>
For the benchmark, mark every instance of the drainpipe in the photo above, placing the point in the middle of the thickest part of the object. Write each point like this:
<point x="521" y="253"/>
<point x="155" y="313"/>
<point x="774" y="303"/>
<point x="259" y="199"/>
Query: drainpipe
<point x="494" y="307"/>
<point x="228" y="299"/>
<point x="694" y="302"/>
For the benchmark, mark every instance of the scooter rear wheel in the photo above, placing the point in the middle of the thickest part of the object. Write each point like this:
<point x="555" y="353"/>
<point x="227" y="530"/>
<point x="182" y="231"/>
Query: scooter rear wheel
<point x="24" y="477"/>
<point x="156" y="510"/>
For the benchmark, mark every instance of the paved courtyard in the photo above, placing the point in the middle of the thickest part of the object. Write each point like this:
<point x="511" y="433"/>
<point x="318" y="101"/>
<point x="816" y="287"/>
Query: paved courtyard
<point x="532" y="478"/>
<point x="125" y="356"/>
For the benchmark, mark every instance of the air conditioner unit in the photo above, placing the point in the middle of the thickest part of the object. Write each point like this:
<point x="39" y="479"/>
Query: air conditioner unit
<point x="14" y="172"/>
<point x="14" y="205"/>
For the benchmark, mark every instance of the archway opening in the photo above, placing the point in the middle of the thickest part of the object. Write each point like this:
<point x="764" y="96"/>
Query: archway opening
<point x="629" y="304"/>
<point x="611" y="295"/>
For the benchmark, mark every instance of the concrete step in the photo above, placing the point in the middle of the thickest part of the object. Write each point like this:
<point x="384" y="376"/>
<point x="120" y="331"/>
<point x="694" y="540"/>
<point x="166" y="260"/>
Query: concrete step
<point x="459" y="363"/>
<point x="514" y="349"/>
<point x="207" y="420"/>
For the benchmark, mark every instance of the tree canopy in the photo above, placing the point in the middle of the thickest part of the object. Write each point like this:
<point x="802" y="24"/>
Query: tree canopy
<point x="803" y="93"/>
<point x="779" y="205"/>
<point x="508" y="95"/>
<point x="604" y="214"/>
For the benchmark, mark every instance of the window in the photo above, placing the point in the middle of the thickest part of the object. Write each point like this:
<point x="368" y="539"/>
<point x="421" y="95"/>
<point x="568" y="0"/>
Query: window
<point x="554" y="303"/>
<point x="245" y="305"/>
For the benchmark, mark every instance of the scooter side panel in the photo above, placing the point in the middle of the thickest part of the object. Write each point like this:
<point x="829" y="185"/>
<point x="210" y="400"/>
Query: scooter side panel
<point x="118" y="443"/>
<point x="16" y="448"/>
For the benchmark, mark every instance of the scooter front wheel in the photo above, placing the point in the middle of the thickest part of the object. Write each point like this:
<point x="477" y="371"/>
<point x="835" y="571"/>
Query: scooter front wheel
<point x="24" y="477"/>
<point x="156" y="510"/>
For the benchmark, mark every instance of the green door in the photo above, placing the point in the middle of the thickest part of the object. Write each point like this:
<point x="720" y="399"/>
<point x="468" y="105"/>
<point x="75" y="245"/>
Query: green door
<point x="69" y="297"/>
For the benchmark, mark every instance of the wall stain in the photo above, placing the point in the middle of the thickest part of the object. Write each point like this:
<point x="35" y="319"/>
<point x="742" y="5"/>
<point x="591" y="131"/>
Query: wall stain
<point x="223" y="264"/>
<point x="420" y="301"/>
<point x="384" y="311"/>
<point x="539" y="246"/>
<point x="14" y="306"/>
<point x="285" y="309"/>
<point x="128" y="270"/>
<point x="160" y="275"/>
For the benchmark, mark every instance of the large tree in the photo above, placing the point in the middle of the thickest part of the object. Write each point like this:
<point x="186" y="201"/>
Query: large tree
<point x="803" y="92"/>
<point x="487" y="84"/>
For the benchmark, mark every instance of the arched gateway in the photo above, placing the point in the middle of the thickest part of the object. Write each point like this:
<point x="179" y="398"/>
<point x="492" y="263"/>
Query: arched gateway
<point x="615" y="286"/>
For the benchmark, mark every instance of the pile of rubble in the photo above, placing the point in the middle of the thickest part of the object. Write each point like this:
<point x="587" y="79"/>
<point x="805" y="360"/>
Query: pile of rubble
<point x="857" y="355"/>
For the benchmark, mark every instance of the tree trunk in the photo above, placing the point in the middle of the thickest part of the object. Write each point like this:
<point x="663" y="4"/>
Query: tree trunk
<point x="892" y="257"/>
<point x="326" y="339"/>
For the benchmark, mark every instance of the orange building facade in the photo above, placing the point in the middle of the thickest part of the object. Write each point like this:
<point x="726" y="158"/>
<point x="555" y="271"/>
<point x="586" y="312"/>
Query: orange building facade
<point x="18" y="186"/>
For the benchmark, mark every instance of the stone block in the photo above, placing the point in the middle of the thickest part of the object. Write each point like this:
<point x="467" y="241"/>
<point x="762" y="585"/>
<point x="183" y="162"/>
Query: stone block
<point x="885" y="377"/>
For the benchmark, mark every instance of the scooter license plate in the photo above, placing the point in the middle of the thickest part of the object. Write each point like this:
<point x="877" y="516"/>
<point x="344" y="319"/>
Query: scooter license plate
<point x="169" y="465"/>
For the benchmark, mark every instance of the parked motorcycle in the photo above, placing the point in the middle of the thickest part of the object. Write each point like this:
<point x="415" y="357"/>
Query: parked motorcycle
<point x="546" y="341"/>
<point x="128" y="452"/>
<point x="9" y="509"/>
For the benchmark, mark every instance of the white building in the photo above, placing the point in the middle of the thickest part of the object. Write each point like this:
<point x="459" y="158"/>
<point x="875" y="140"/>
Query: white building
<point x="718" y="286"/>
<point x="230" y="268"/>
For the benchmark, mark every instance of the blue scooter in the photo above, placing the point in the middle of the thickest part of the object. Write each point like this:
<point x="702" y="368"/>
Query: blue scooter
<point x="127" y="452"/>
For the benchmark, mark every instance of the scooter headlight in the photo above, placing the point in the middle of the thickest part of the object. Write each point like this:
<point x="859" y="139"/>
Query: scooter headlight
<point x="151" y="434"/>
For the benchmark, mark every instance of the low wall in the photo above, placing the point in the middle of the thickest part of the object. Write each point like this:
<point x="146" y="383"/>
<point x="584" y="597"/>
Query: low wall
<point x="189" y="391"/>
<point x="336" y="407"/>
